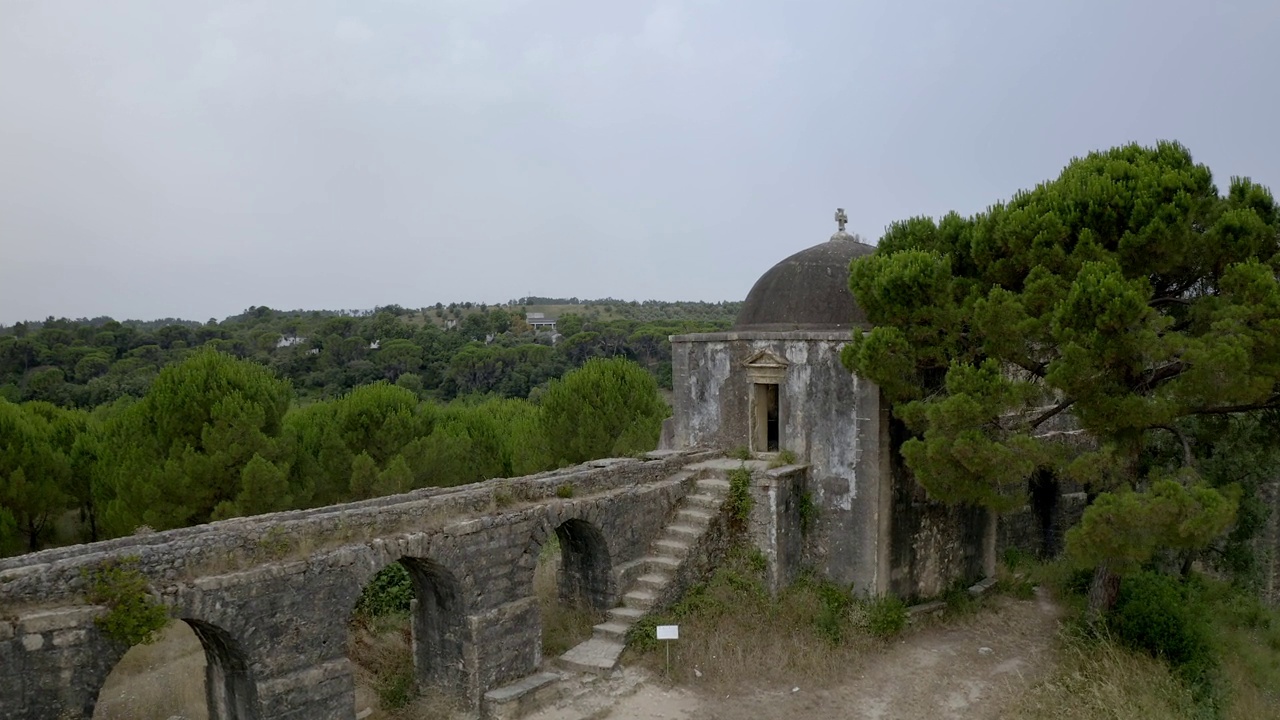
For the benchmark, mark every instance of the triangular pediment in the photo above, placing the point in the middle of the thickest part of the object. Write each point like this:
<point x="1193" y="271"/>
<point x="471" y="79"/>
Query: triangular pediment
<point x="765" y="359"/>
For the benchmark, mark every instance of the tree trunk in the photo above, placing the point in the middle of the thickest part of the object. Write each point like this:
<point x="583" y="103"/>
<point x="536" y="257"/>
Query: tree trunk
<point x="1102" y="592"/>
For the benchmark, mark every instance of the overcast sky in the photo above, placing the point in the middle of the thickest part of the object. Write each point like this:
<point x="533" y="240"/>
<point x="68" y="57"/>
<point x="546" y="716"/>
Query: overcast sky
<point x="191" y="158"/>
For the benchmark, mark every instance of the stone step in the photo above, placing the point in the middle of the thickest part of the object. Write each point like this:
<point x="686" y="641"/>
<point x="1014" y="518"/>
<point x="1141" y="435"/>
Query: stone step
<point x="625" y="615"/>
<point x="653" y="581"/>
<point x="713" y="485"/>
<point x="683" y="532"/>
<point x="704" y="501"/>
<point x="661" y="563"/>
<point x="613" y="630"/>
<point x="596" y="655"/>
<point x="671" y="547"/>
<point x="639" y="599"/>
<point x="522" y="697"/>
<point x="693" y="516"/>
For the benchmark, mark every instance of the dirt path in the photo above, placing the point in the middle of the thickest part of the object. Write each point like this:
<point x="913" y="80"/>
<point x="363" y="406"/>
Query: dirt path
<point x="971" y="668"/>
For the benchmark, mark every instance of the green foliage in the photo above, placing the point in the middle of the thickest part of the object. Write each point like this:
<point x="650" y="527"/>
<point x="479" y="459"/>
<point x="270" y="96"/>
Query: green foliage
<point x="174" y="457"/>
<point x="388" y="593"/>
<point x="37" y="477"/>
<point x="194" y="420"/>
<point x="1129" y="295"/>
<point x="1126" y="528"/>
<point x="739" y="503"/>
<point x="808" y="511"/>
<point x="783" y="459"/>
<point x="564" y="492"/>
<point x="606" y="408"/>
<point x="886" y="616"/>
<point x="1156" y="614"/>
<point x="740" y="453"/>
<point x="132" y="617"/>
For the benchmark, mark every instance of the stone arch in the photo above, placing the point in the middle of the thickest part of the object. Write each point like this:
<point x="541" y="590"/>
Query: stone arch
<point x="231" y="692"/>
<point x="1043" y="493"/>
<point x="229" y="687"/>
<point x="438" y="621"/>
<point x="586" y="567"/>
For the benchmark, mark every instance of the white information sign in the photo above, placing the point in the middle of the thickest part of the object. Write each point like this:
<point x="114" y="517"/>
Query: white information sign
<point x="668" y="632"/>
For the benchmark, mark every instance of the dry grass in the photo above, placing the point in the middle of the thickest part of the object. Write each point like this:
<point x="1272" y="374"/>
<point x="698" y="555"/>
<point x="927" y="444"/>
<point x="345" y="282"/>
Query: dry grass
<point x="157" y="681"/>
<point x="1103" y="680"/>
<point x="1251" y="668"/>
<point x="382" y="657"/>
<point x="732" y="633"/>
<point x="564" y="623"/>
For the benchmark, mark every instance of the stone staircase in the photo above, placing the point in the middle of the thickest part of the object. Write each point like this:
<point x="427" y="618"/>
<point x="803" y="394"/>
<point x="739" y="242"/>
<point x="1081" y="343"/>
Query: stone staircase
<point x="648" y="577"/>
<point x="644" y="581"/>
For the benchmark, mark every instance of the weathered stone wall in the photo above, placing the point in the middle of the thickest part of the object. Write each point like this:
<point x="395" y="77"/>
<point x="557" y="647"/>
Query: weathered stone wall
<point x="830" y="419"/>
<point x="932" y="545"/>
<point x="1040" y="530"/>
<point x="777" y="526"/>
<point x="269" y="595"/>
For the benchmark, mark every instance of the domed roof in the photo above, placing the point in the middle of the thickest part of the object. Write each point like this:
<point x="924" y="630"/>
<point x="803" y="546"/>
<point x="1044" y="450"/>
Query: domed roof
<point x="809" y="290"/>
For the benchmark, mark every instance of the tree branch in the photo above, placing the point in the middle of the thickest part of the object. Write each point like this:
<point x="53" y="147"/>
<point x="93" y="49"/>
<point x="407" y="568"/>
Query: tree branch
<point x="1170" y="300"/>
<point x="1160" y="374"/>
<point x="1186" y="444"/>
<point x="1271" y="403"/>
<point x="1050" y="413"/>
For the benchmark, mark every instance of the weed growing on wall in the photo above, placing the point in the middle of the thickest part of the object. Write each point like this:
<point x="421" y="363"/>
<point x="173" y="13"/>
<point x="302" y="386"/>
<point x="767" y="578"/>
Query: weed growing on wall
<point x="740" y="501"/>
<point x="782" y="459"/>
<point x="564" y="492"/>
<point x="808" y="512"/>
<point x="133" y="616"/>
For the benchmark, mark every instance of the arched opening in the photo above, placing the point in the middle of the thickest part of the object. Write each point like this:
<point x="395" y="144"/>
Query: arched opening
<point x="406" y="640"/>
<point x="574" y="584"/>
<point x="1044" y="492"/>
<point x="194" y="670"/>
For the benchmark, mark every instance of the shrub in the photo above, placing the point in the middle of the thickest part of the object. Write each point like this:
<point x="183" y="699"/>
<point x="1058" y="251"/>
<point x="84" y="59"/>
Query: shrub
<point x="740" y="453"/>
<point x="390" y="591"/>
<point x="886" y="616"/>
<point x="564" y="492"/>
<point x="1155" y="615"/>
<point x="740" y="501"/>
<point x="133" y="617"/>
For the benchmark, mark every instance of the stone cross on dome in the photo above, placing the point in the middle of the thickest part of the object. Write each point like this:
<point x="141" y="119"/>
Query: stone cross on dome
<point x="841" y="218"/>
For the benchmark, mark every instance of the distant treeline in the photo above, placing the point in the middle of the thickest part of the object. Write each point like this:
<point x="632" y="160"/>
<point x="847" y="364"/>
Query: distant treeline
<point x="215" y="436"/>
<point x="438" y="353"/>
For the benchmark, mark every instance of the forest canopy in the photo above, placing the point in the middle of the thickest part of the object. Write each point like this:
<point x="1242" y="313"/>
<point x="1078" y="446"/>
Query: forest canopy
<point x="107" y="428"/>
<point x="1111" y="327"/>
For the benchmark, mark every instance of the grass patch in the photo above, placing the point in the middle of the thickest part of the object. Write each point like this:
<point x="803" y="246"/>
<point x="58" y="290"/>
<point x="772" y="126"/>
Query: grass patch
<point x="1097" y="678"/>
<point x="732" y="630"/>
<point x="1190" y="647"/>
<point x="380" y="649"/>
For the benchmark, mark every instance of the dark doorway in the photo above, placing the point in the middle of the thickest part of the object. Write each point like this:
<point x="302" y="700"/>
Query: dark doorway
<point x="766" y="423"/>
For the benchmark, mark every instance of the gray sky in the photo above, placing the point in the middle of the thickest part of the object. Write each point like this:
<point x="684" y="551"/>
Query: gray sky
<point x="194" y="158"/>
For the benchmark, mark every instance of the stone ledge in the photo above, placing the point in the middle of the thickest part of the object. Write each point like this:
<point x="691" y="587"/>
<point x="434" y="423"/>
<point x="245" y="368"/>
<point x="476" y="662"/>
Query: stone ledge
<point x="59" y="619"/>
<point x="523" y="696"/>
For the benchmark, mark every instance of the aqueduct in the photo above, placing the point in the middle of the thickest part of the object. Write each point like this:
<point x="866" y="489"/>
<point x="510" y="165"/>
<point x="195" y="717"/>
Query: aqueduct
<point x="268" y="596"/>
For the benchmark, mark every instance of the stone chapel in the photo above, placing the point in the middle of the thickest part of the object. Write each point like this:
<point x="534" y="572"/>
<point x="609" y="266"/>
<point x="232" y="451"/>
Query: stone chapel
<point x="775" y="382"/>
